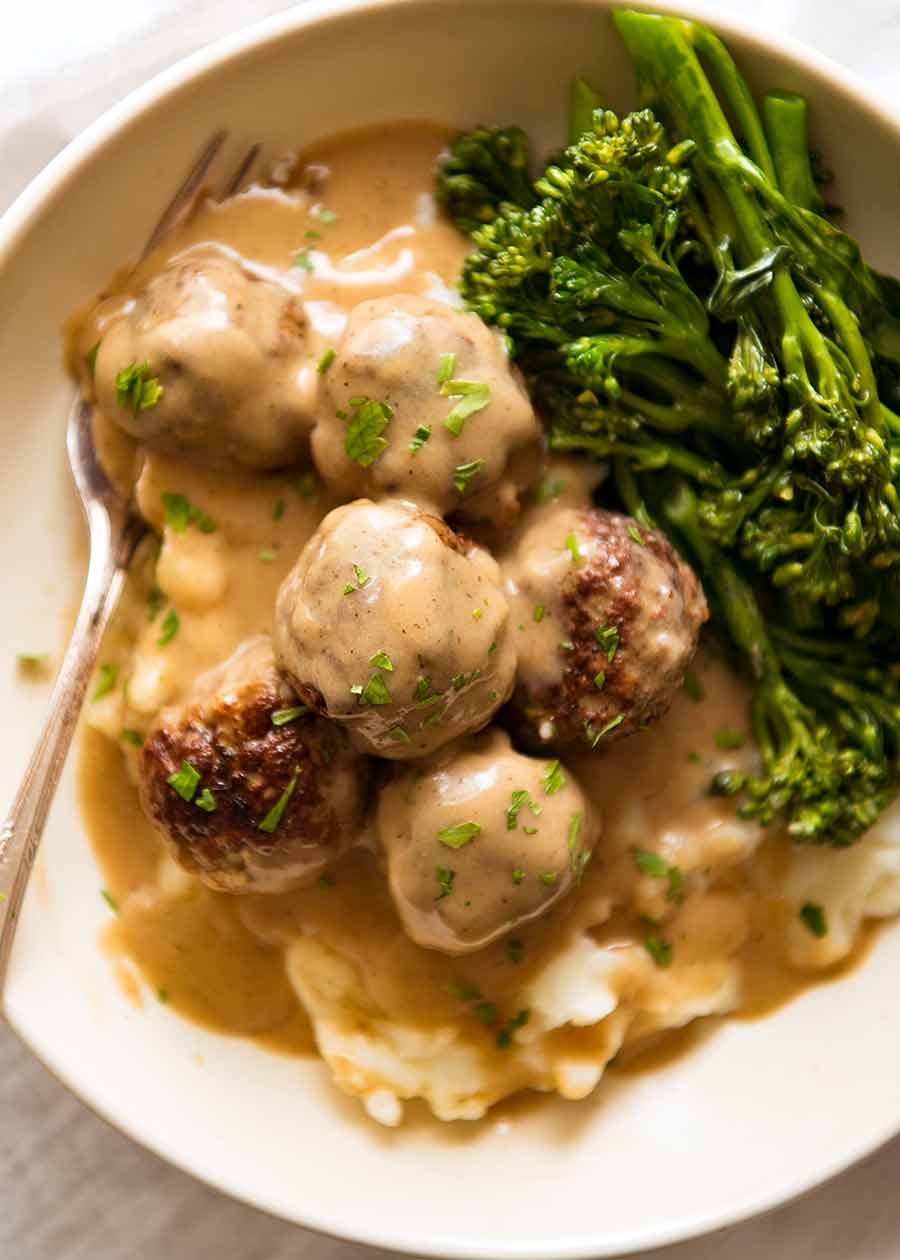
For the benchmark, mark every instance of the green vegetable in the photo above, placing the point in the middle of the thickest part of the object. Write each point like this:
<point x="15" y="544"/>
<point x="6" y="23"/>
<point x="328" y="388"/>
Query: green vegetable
<point x="325" y="362"/>
<point x="421" y="436"/>
<point x="170" y="627"/>
<point x="594" y="736"/>
<point x="445" y="878"/>
<point x="446" y="367"/>
<point x="361" y="579"/>
<point x="727" y="738"/>
<point x="518" y="875"/>
<point x="813" y="918"/>
<point x="473" y="396"/>
<point x="548" y="877"/>
<point x="459" y="835"/>
<point x="520" y="799"/>
<point x="278" y="509"/>
<point x="608" y="639"/>
<point x="399" y="735"/>
<point x="680" y="305"/>
<point x="276" y="813"/>
<point x="303" y="260"/>
<point x="206" y="801"/>
<point x="659" y="950"/>
<point x="515" y="949"/>
<point x="578" y="858"/>
<point x="373" y="692"/>
<point x="573" y="549"/>
<point x="464" y="473"/>
<point x="549" y="490"/>
<point x="185" y="781"/>
<point x="382" y="660"/>
<point x="130" y="736"/>
<point x="110" y="900"/>
<point x="136" y="389"/>
<point x="90" y="359"/>
<point x="539" y="612"/>
<point x="154" y="603"/>
<point x="553" y="777"/>
<point x="656" y="866"/>
<point x="107" y="677"/>
<point x="281" y="717"/>
<point x="519" y="1020"/>
<point x="179" y="514"/>
<point x="268" y="554"/>
<point x="364" y="441"/>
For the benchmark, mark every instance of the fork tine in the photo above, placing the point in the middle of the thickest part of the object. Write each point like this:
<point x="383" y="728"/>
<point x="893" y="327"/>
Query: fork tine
<point x="241" y="172"/>
<point x="186" y="192"/>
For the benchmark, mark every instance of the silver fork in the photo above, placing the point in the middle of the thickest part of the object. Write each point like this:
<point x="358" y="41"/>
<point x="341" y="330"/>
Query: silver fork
<point x="115" y="530"/>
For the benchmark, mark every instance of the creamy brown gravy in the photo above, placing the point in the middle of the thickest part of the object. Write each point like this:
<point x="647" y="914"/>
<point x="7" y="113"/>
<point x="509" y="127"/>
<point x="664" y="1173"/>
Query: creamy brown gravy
<point x="218" y="959"/>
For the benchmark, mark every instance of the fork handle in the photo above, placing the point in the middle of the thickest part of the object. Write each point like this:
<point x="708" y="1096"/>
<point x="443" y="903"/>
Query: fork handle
<point x="113" y="539"/>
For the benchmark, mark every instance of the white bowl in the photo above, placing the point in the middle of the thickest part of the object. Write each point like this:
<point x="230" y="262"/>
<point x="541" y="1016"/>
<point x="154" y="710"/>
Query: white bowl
<point x="757" y="1111"/>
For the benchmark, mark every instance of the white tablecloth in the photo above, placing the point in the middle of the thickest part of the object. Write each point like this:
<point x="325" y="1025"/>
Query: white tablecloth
<point x="71" y="1188"/>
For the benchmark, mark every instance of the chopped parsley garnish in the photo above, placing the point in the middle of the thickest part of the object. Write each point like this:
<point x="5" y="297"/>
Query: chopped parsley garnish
<point x="695" y="758"/>
<point x="462" y="992"/>
<point x="572" y="547"/>
<point x="110" y="900"/>
<point x="516" y="949"/>
<point x="446" y="367"/>
<point x="693" y="688"/>
<point x="660" y="950"/>
<point x="492" y="649"/>
<point x="656" y="866"/>
<point x="473" y="396"/>
<point x="478" y="613"/>
<point x="136" y="389"/>
<point x="423" y="693"/>
<point x="154" y="603"/>
<point x="281" y="717"/>
<point x="421" y="436"/>
<point x="130" y="736"/>
<point x="90" y="359"/>
<point x="268" y="554"/>
<point x="326" y="882"/>
<point x="399" y="735"/>
<point x="436" y="714"/>
<point x="812" y="916"/>
<point x="382" y="660"/>
<point x="726" y="737"/>
<point x="486" y="1013"/>
<point x="538" y="613"/>
<point x="374" y="692"/>
<point x="278" y="509"/>
<point x="549" y="490"/>
<point x="635" y="535"/>
<point x="518" y="875"/>
<point x="364" y="441"/>
<point x="445" y="878"/>
<point x="595" y="736"/>
<point x="599" y="680"/>
<point x="179" y="514"/>
<point x="303" y="260"/>
<point x="504" y="1036"/>
<point x="520" y="799"/>
<point x="548" y="877"/>
<point x="162" y="994"/>
<point x="325" y="362"/>
<point x="464" y="473"/>
<point x="578" y="858"/>
<point x="33" y="662"/>
<point x="312" y="235"/>
<point x="170" y="627"/>
<point x="323" y="214"/>
<point x="306" y="485"/>
<point x="185" y="781"/>
<point x="362" y="579"/>
<point x="206" y="801"/>
<point x="554" y="777"/>
<point x="458" y="681"/>
<point x="608" y="640"/>
<point x="459" y="835"/>
<point x="106" y="681"/>
<point x="276" y="813"/>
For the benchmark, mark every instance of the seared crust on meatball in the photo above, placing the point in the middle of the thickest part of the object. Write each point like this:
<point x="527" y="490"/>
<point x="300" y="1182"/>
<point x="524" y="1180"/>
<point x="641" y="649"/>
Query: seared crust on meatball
<point x="621" y="613"/>
<point x="246" y="763"/>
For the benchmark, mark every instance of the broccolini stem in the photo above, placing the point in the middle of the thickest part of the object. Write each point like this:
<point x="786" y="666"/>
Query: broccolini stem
<point x="629" y="492"/>
<point x="785" y="115"/>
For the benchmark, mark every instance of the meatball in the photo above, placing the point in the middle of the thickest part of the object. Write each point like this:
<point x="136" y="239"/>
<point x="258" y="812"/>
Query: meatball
<point x="226" y="349"/>
<point x="251" y="791"/>
<point x="609" y="617"/>
<point x="449" y="450"/>
<point x="397" y="628"/>
<point x="481" y="839"/>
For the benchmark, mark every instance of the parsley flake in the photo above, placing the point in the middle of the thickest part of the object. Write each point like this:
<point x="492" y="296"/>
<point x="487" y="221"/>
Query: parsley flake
<point x="90" y="359"/>
<point x="362" y="579"/>
<point x="106" y="681"/>
<point x="326" y="361"/>
<point x="520" y="799"/>
<point x="446" y="367"/>
<point x="154" y="603"/>
<point x="130" y="736"/>
<point x="518" y="875"/>
<point x="445" y="878"/>
<point x="374" y="692"/>
<point x="382" y="661"/>
<point x="548" y="877"/>
<point x="459" y="835"/>
<point x="136" y="389"/>
<point x="515" y="949"/>
<point x="554" y="777"/>
<point x="473" y="396"/>
<point x="608" y="640"/>
<point x="813" y="918"/>
<point x="206" y="801"/>
<point x="421" y="436"/>
<point x="170" y="627"/>
<point x="660" y="950"/>
<point x="278" y="509"/>
<point x="110" y="900"/>
<point x="595" y="736"/>
<point x="519" y="1020"/>
<point x="364" y="442"/>
<point x="726" y="737"/>
<point x="303" y="260"/>
<point x="179" y="513"/>
<point x="281" y="717"/>
<point x="399" y="735"/>
<point x="635" y="535"/>
<point x="464" y="473"/>
<point x="185" y="781"/>
<point x="538" y="613"/>
<point x="571" y="543"/>
<point x="323" y="214"/>
<point x="599" y="680"/>
<point x="549" y="490"/>
<point x="276" y="813"/>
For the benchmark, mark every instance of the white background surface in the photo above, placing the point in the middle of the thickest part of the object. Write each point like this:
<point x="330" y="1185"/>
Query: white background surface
<point x="70" y="1188"/>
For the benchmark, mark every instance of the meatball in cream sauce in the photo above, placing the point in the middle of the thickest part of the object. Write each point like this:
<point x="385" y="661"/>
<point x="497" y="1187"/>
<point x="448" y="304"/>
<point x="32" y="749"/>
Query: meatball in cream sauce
<point x="395" y="627"/>
<point x="207" y="363"/>
<point x="456" y="430"/>
<point x="481" y="839"/>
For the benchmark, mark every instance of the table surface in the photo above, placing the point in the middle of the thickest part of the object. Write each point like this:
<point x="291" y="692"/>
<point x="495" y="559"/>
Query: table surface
<point x="71" y="1188"/>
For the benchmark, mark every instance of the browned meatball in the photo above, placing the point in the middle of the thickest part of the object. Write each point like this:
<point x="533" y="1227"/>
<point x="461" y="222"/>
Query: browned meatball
<point x="251" y="795"/>
<point x="608" y="616"/>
